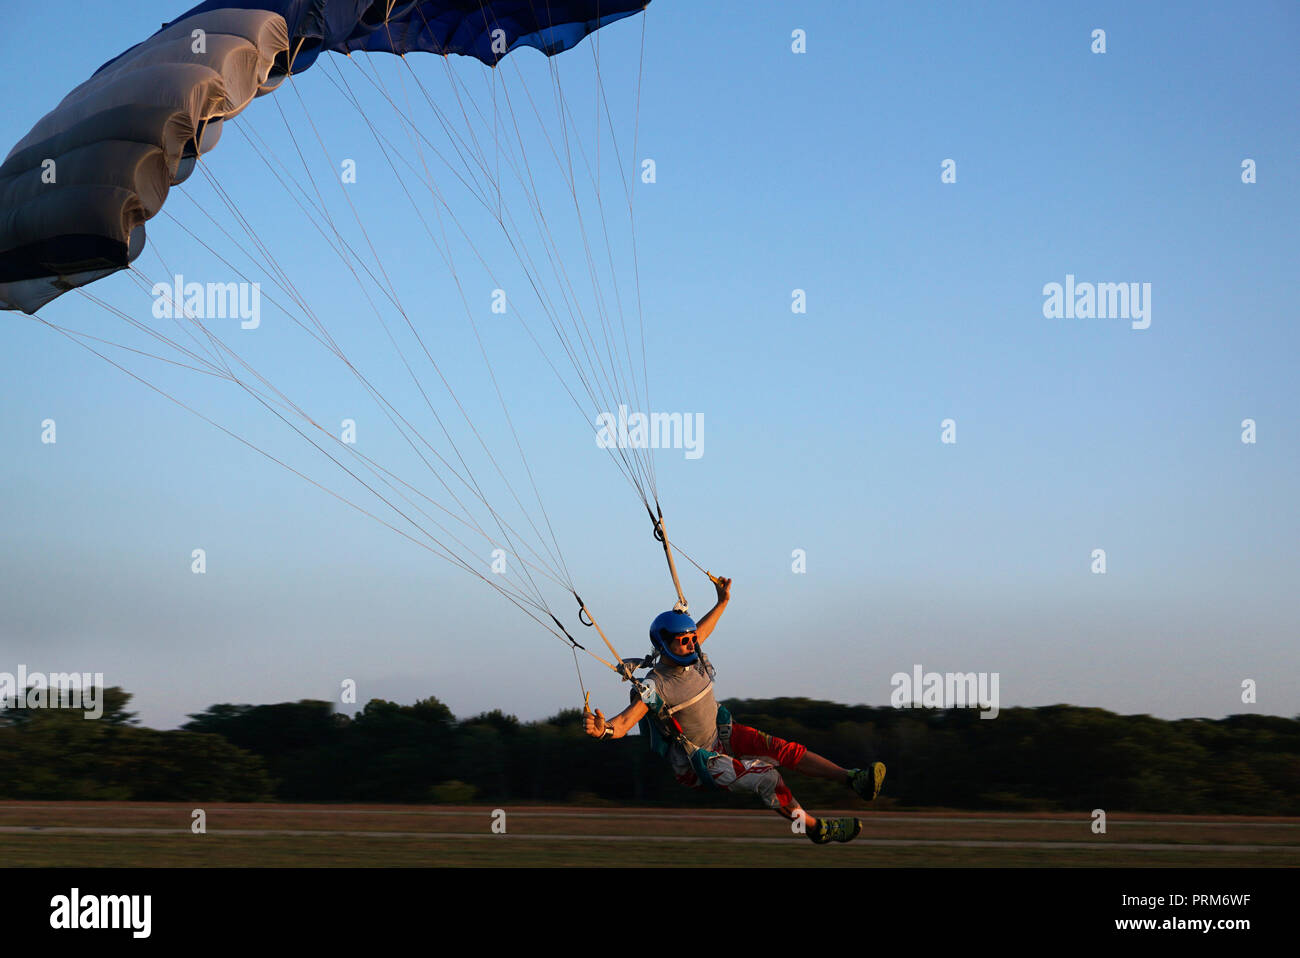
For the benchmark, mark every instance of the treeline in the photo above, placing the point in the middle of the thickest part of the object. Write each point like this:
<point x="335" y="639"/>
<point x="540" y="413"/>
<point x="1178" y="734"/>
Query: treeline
<point x="1059" y="757"/>
<point x="57" y="753"/>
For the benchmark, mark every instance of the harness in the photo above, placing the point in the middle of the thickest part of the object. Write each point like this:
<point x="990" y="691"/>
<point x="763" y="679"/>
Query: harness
<point x="662" y="730"/>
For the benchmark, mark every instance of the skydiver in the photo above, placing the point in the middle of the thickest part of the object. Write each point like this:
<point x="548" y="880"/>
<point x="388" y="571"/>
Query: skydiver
<point x="676" y="709"/>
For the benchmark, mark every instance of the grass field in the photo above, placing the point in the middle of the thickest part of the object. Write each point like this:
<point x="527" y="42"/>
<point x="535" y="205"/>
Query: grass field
<point x="143" y="834"/>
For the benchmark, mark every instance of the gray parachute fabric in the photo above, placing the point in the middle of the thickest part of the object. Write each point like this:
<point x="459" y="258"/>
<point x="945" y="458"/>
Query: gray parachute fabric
<point x="76" y="191"/>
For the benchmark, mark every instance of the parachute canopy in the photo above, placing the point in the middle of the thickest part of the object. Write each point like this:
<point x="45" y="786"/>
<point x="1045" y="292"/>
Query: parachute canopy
<point x="76" y="191"/>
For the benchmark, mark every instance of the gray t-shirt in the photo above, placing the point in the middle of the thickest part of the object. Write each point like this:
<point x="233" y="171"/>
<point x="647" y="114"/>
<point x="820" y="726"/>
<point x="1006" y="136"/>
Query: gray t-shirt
<point x="674" y="684"/>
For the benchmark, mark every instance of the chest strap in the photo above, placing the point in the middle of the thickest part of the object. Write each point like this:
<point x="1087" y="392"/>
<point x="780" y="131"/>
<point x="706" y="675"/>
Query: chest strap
<point x="689" y="702"/>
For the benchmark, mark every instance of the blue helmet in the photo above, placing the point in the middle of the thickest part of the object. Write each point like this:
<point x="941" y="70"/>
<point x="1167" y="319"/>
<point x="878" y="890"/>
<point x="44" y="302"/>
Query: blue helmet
<point x="664" y="627"/>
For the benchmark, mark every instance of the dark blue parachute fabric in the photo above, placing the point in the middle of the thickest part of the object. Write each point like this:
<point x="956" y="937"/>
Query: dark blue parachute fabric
<point x="463" y="27"/>
<point x="76" y="191"/>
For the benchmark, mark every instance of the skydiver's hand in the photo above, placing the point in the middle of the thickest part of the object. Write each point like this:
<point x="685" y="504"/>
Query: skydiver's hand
<point x="723" y="586"/>
<point x="593" y="725"/>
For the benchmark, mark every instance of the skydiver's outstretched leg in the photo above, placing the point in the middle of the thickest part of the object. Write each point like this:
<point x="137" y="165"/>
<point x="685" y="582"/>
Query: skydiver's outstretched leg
<point x="763" y="779"/>
<point x="865" y="781"/>
<point x="746" y="741"/>
<point x="749" y="744"/>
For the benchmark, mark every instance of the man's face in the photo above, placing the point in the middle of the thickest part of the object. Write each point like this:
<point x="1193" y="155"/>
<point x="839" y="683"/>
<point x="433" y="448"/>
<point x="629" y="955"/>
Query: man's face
<point x="682" y="644"/>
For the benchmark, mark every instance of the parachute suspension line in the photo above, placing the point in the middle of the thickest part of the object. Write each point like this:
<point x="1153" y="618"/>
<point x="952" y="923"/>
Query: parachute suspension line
<point x="386" y="406"/>
<point x="288" y="67"/>
<point x="352" y="99"/>
<point x="584" y="614"/>
<point x="556" y="556"/>
<point x="533" y="199"/>
<point x="319" y="335"/>
<point x="522" y="322"/>
<point x="419" y="340"/>
<point x="213" y="358"/>
<point x="609" y="374"/>
<point x="482" y="348"/>
<point x="449" y="554"/>
<point x="389" y="410"/>
<point x="629" y="187"/>
<point x="656" y="515"/>
<point x="530" y="271"/>
<point x="602" y="312"/>
<point x="599" y="374"/>
<point x="606" y="401"/>
<point x="75" y="339"/>
<point x="487" y="362"/>
<point x="445" y="254"/>
<point x="212" y="369"/>
<point x="139" y="352"/>
<point x="214" y="344"/>
<point x="602" y="100"/>
<point x="496" y="141"/>
<point x="529" y="268"/>
<point x="586" y="696"/>
<point x="678" y="550"/>
<point x="660" y="530"/>
<point x="594" y="177"/>
<point x="536" y="208"/>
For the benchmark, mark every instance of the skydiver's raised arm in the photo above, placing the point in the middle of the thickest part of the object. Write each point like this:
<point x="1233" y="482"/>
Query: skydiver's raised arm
<point x="704" y="627"/>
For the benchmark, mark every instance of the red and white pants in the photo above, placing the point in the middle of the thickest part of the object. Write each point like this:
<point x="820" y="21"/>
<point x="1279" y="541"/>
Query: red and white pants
<point x="747" y="762"/>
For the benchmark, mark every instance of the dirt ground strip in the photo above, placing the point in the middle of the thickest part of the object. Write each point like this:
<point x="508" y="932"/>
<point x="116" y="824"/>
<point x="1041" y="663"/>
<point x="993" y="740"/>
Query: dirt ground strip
<point x="144" y="834"/>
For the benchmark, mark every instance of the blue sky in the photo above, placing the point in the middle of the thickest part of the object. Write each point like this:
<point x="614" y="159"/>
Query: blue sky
<point x="775" y="171"/>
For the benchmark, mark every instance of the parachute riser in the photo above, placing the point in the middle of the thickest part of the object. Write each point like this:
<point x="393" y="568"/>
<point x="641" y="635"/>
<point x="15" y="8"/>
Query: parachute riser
<point x="587" y="619"/>
<point x="661" y="533"/>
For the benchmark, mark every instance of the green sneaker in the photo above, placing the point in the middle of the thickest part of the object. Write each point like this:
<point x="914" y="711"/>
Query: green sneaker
<point x="835" y="830"/>
<point x="867" y="781"/>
